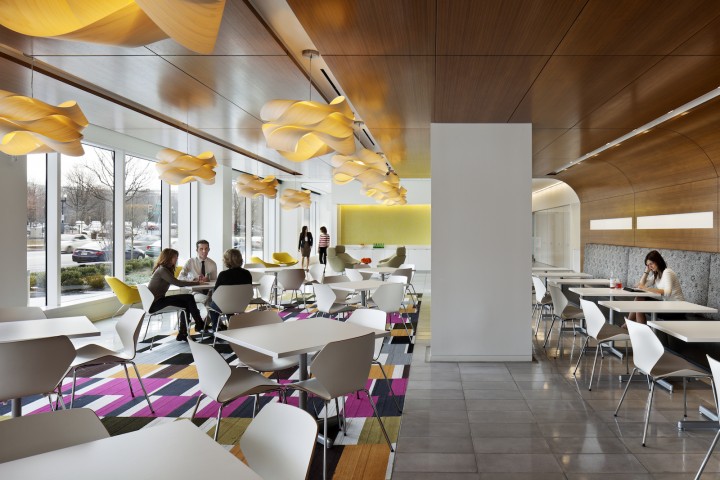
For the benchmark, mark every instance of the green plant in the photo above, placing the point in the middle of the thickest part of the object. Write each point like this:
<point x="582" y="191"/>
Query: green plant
<point x="96" y="282"/>
<point x="39" y="280"/>
<point x="71" y="277"/>
<point x="33" y="280"/>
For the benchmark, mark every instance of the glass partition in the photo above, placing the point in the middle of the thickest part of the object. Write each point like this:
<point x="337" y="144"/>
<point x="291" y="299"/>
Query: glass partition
<point x="257" y="235"/>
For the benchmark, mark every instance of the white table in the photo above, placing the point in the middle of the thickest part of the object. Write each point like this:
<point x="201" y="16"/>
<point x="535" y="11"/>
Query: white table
<point x="203" y="287"/>
<point x="578" y="281"/>
<point x="612" y="293"/>
<point x="172" y="450"/>
<point x="362" y="286"/>
<point x="653" y="308"/>
<point x="565" y="275"/>
<point x="384" y="272"/>
<point x="551" y="269"/>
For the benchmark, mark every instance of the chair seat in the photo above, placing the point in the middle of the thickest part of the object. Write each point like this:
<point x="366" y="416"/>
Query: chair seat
<point x="94" y="353"/>
<point x="612" y="332"/>
<point x="340" y="308"/>
<point x="263" y="363"/>
<point x="671" y="365"/>
<point x="312" y="385"/>
<point x="572" y="313"/>
<point x="245" y="382"/>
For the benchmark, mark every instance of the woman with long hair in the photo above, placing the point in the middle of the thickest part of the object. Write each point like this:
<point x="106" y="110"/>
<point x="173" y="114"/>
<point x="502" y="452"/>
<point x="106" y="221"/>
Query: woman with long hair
<point x="323" y="244"/>
<point x="658" y="278"/>
<point x="162" y="277"/>
<point x="305" y="244"/>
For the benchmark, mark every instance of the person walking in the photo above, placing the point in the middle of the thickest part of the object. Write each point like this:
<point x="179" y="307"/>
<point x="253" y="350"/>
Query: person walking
<point x="323" y="244"/>
<point x="305" y="244"/>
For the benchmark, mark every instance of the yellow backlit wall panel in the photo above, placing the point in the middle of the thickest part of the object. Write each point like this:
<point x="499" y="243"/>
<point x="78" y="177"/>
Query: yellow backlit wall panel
<point x="391" y="225"/>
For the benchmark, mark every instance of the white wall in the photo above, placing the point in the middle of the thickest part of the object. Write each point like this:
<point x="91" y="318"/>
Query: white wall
<point x="481" y="229"/>
<point x="556" y="226"/>
<point x="13" y="234"/>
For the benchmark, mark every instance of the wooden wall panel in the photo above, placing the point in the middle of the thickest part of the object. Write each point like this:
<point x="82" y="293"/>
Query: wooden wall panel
<point x="616" y="207"/>
<point x="693" y="197"/>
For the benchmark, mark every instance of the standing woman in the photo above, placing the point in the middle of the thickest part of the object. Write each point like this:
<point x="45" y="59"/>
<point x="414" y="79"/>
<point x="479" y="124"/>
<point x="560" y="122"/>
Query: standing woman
<point x="323" y="244"/>
<point x="305" y="246"/>
<point x="162" y="277"/>
<point x="658" y="278"/>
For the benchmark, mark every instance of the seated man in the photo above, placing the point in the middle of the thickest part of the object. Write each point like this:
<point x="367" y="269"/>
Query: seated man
<point x="200" y="268"/>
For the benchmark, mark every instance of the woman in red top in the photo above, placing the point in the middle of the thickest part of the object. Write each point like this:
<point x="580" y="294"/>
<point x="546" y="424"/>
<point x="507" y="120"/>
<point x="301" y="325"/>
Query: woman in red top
<point x="323" y="244"/>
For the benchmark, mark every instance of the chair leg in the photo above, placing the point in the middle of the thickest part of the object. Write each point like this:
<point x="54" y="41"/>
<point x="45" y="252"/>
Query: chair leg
<point x="377" y="415"/>
<point x="127" y="375"/>
<point x="592" y="375"/>
<point x="256" y="404"/>
<point x="197" y="404"/>
<point x="147" y="327"/>
<point x="539" y="310"/>
<point x="142" y="385"/>
<point x="684" y="397"/>
<point x="558" y="352"/>
<point x="325" y="442"/>
<point x="547" y="337"/>
<point x="582" y="352"/>
<point x="397" y="404"/>
<point x="707" y="455"/>
<point x="647" y="413"/>
<point x="625" y="391"/>
<point x="217" y="426"/>
<point x="72" y="392"/>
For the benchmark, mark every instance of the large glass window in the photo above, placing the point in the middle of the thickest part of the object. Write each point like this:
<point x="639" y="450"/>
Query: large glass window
<point x="174" y="216"/>
<point x="36" y="222"/>
<point x="87" y="188"/>
<point x="257" y="238"/>
<point x="143" y="207"/>
<point x="239" y="222"/>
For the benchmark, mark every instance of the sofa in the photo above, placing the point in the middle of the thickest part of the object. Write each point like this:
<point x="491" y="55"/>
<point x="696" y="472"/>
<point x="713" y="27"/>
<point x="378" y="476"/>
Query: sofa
<point x="339" y="260"/>
<point x="394" y="260"/>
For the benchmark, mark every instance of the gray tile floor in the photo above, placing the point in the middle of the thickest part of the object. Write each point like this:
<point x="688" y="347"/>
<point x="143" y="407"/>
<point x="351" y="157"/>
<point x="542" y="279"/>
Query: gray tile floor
<point x="502" y="421"/>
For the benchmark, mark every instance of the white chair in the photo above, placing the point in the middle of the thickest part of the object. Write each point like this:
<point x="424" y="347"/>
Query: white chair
<point x="353" y="275"/>
<point x="407" y="270"/>
<point x="373" y="318"/>
<point x="251" y="358"/>
<point x="291" y="280"/>
<point x="563" y="311"/>
<point x="543" y="302"/>
<point x="231" y="299"/>
<point x="128" y="331"/>
<point x="44" y="432"/>
<point x="316" y="272"/>
<point x="34" y="367"/>
<point x="147" y="298"/>
<point x="327" y="301"/>
<point x="651" y="359"/>
<point x="602" y="332"/>
<point x="715" y="369"/>
<point x="13" y="314"/>
<point x="342" y="368"/>
<point x="279" y="442"/>
<point x="224" y="384"/>
<point x="265" y="292"/>
<point x="389" y="298"/>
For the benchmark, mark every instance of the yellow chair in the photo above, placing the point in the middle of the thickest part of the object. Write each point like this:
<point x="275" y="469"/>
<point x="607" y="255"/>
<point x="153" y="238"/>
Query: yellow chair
<point x="263" y="262"/>
<point x="284" y="259"/>
<point x="126" y="294"/>
<point x="178" y="269"/>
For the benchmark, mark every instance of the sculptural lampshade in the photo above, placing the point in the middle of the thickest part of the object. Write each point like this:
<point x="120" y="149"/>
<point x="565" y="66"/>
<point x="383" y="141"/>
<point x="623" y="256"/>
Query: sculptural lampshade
<point x="192" y="23"/>
<point x="300" y="130"/>
<point x="177" y="168"/>
<point x="28" y="125"/>
<point x="388" y="192"/>
<point x="291" y="199"/>
<point x="252" y="186"/>
<point x="365" y="166"/>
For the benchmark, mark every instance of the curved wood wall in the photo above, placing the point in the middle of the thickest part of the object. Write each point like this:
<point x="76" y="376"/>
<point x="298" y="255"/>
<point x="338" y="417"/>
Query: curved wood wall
<point x="671" y="169"/>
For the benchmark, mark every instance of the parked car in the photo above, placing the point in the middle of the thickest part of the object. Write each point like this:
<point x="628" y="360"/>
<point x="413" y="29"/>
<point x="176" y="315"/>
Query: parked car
<point x="70" y="242"/>
<point x="153" y="250"/>
<point x="142" y="241"/>
<point x="95" y="252"/>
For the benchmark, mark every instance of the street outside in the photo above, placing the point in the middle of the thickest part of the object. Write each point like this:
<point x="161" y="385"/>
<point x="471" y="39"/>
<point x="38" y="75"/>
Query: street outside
<point x="36" y="260"/>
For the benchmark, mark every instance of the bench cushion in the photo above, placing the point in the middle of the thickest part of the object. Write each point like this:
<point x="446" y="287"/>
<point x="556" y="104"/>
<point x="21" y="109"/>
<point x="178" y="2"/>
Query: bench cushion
<point x="602" y="260"/>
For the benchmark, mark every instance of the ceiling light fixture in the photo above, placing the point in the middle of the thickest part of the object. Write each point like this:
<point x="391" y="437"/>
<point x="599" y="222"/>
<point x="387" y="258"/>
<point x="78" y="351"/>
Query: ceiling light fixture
<point x="252" y="186"/>
<point x="291" y="199"/>
<point x="177" y="168"/>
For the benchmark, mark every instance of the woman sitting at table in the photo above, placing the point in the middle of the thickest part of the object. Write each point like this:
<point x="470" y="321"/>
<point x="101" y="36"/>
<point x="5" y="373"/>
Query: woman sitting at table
<point x="234" y="275"/>
<point x="658" y="278"/>
<point x="162" y="277"/>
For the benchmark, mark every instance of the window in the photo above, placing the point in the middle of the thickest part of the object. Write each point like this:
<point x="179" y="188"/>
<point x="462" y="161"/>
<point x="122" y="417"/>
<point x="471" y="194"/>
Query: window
<point x="257" y="236"/>
<point x="87" y="189"/>
<point x="36" y="222"/>
<point x="239" y="221"/>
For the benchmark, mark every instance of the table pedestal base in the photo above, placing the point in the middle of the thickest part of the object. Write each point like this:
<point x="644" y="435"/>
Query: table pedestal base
<point x="637" y="378"/>
<point x="711" y="424"/>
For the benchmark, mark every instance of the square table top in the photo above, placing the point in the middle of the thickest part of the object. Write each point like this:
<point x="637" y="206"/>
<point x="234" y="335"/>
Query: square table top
<point x="271" y="269"/>
<point x="611" y="292"/>
<point x="356" y="286"/>
<point x="689" y="330"/>
<point x="293" y="338"/>
<point x="203" y="286"/>
<point x="670" y="306"/>
<point x="149" y="453"/>
<point x="73" y="327"/>
<point x="580" y="281"/>
<point x="565" y="275"/>
<point x="551" y="269"/>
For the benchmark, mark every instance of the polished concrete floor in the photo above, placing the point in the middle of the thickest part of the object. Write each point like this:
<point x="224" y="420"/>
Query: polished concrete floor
<point x="502" y="421"/>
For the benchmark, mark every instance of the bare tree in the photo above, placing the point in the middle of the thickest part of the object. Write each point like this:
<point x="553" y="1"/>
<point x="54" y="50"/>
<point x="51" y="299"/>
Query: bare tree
<point x="35" y="203"/>
<point x="80" y="191"/>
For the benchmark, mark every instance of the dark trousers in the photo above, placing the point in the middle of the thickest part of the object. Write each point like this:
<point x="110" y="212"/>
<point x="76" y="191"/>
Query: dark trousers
<point x="322" y="253"/>
<point x="185" y="301"/>
<point x="214" y="316"/>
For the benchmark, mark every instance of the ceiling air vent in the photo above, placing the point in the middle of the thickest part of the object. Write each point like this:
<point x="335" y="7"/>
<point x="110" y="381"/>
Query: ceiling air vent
<point x="330" y="82"/>
<point x="368" y="137"/>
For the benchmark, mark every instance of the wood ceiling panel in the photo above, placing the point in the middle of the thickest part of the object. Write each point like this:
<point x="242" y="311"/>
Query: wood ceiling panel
<point x="671" y="83"/>
<point x="388" y="92"/>
<point x="503" y="27"/>
<point x="482" y="89"/>
<point x="407" y="150"/>
<point x="639" y="27"/>
<point x="572" y="145"/>
<point x="369" y="27"/>
<point x="702" y="126"/>
<point x="660" y="159"/>
<point x="570" y="88"/>
<point x="704" y="42"/>
<point x="596" y="180"/>
<point x="542" y="137"/>
<point x="616" y="207"/>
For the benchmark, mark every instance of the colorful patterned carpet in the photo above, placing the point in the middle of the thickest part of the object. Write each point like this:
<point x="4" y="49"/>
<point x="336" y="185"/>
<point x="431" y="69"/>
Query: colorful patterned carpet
<point x="171" y="380"/>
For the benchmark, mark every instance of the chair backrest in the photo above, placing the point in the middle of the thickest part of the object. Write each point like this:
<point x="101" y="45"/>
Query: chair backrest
<point x="125" y="294"/>
<point x="559" y="299"/>
<point x="594" y="318"/>
<point x="257" y="276"/>
<point x="317" y="272"/>
<point x="128" y="330"/>
<point x="404" y="272"/>
<point x="339" y="249"/>
<point x="396" y="279"/>
<point x="178" y="269"/>
<point x="284" y="257"/>
<point x="343" y="367"/>
<point x="279" y="442"/>
<point x="540" y="289"/>
<point x="291" y="279"/>
<point x="715" y="369"/>
<point x="389" y="297"/>
<point x="334" y="261"/>
<point x="13" y="314"/>
<point x="233" y="298"/>
<point x="44" y="432"/>
<point x="325" y="297"/>
<point x="335" y="278"/>
<point x="370" y="318"/>
<point x="254" y="319"/>
<point x="213" y="370"/>
<point x="411" y="266"/>
<point x="146" y="297"/>
<point x="647" y="348"/>
<point x="266" y="287"/>
<point x="33" y="367"/>
<point x="353" y="275"/>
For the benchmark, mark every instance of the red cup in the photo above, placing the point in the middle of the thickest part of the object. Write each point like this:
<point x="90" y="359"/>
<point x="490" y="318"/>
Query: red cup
<point x="618" y="285"/>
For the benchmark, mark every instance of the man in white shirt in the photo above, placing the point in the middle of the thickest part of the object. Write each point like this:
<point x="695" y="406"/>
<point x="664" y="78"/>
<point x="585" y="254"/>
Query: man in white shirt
<point x="200" y="268"/>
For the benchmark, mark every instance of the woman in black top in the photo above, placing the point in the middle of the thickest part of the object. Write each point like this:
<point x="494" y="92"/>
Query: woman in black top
<point x="234" y="275"/>
<point x="305" y="246"/>
<point x="162" y="277"/>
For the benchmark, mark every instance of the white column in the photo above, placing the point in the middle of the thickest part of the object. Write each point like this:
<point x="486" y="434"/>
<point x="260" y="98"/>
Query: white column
<point x="214" y="206"/>
<point x="13" y="234"/>
<point x="52" y="230"/>
<point x="119" y="215"/>
<point x="481" y="235"/>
